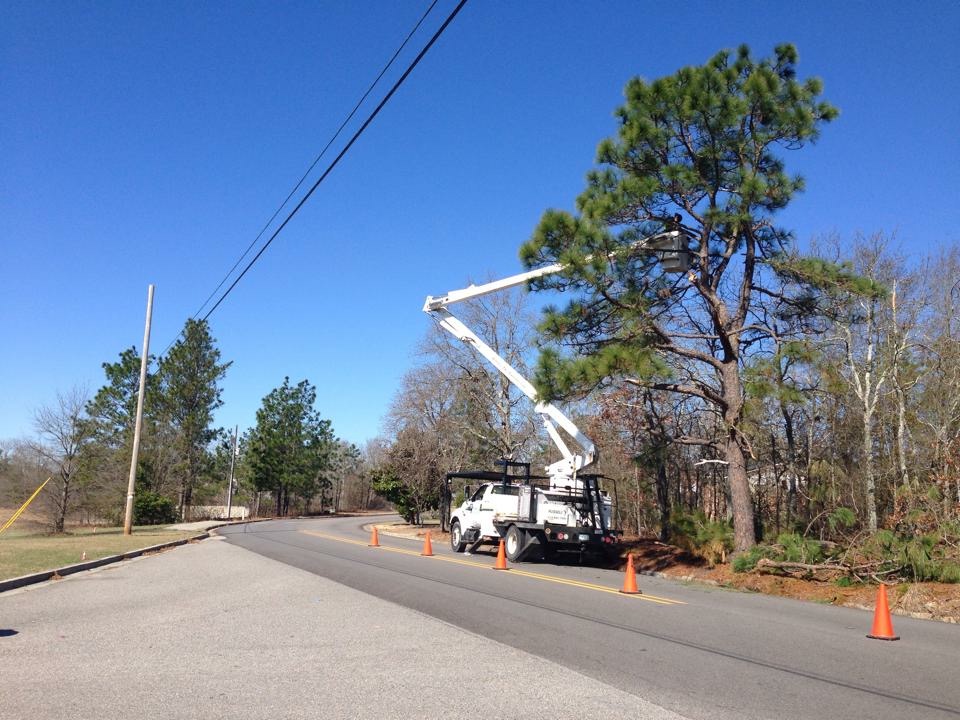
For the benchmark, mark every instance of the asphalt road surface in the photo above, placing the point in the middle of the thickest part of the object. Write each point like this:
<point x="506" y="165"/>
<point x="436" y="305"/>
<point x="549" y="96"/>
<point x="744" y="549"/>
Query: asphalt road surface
<point x="314" y="624"/>
<point x="210" y="630"/>
<point x="696" y="651"/>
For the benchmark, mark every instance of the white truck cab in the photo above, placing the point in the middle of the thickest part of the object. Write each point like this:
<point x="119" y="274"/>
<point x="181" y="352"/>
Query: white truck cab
<point x="490" y="501"/>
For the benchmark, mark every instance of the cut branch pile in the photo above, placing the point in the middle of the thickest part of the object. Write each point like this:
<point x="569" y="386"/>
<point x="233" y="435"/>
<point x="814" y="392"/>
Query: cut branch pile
<point x="830" y="571"/>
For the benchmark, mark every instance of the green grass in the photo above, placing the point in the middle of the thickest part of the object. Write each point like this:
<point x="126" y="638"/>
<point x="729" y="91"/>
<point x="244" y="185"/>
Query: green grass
<point x="25" y="553"/>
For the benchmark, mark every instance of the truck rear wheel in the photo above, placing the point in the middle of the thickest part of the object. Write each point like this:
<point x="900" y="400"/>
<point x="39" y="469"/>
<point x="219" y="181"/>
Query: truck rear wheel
<point x="456" y="538"/>
<point x="514" y="542"/>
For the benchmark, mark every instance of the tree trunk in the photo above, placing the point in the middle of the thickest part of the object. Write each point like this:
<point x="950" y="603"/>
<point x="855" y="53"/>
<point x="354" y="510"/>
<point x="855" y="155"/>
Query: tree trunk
<point x="188" y="501"/>
<point x="901" y="432"/>
<point x="663" y="495"/>
<point x="740" y="497"/>
<point x="791" y="464"/>
<point x="870" y="480"/>
<point x="60" y="521"/>
<point x="777" y="478"/>
<point x="616" y="504"/>
<point x="445" y="502"/>
<point x="637" y="498"/>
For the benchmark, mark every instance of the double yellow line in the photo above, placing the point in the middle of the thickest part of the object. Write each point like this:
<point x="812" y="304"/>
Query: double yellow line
<point x="513" y="571"/>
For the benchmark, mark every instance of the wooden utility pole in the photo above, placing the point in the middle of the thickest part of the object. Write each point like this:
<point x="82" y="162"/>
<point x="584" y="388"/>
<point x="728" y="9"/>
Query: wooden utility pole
<point x="128" y="515"/>
<point x="233" y="459"/>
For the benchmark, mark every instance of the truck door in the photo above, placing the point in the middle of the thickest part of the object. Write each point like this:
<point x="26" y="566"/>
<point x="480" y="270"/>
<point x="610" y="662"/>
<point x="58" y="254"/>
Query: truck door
<point x="471" y="508"/>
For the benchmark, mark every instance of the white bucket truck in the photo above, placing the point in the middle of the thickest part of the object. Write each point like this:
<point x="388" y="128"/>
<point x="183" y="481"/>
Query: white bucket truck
<point x="565" y="509"/>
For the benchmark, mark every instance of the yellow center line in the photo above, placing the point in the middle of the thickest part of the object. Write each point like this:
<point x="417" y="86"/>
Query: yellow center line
<point x="513" y="570"/>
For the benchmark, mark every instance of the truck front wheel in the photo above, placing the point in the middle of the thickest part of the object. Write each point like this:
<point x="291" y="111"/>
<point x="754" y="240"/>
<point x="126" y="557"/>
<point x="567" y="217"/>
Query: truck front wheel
<point x="514" y="542"/>
<point x="456" y="538"/>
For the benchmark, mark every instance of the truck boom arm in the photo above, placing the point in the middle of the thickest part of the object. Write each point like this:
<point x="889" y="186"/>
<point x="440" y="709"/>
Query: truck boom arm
<point x="564" y="471"/>
<point x="551" y="416"/>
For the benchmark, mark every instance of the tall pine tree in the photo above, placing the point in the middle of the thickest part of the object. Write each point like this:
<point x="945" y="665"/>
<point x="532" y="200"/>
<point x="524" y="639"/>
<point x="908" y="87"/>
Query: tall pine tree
<point x="696" y="150"/>
<point x="190" y="376"/>
<point x="291" y="448"/>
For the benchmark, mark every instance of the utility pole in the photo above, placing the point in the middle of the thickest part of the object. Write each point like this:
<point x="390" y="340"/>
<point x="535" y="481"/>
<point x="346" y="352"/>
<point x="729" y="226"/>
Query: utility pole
<point x="128" y="515"/>
<point x="233" y="459"/>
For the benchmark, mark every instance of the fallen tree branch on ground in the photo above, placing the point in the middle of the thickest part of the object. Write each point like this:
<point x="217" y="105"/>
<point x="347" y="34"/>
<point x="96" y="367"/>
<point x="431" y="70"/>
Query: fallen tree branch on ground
<point x="830" y="571"/>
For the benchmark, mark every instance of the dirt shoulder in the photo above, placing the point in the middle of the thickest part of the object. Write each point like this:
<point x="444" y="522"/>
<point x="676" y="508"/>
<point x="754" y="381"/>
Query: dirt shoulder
<point x="931" y="601"/>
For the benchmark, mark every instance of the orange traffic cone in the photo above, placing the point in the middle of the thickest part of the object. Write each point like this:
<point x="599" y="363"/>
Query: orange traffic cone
<point x="630" y="579"/>
<point x="374" y="538"/>
<point x="501" y="563"/>
<point x="427" y="546"/>
<point x="882" y="625"/>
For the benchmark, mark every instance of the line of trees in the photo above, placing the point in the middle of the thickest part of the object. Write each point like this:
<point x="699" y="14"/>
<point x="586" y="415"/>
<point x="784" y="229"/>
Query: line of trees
<point x="290" y="461"/>
<point x="84" y="442"/>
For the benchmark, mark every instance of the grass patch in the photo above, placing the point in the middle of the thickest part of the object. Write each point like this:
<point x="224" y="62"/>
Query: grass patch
<point x="26" y="553"/>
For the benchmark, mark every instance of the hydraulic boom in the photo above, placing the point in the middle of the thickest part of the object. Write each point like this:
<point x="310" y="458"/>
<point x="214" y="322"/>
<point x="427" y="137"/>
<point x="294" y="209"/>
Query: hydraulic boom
<point x="563" y="473"/>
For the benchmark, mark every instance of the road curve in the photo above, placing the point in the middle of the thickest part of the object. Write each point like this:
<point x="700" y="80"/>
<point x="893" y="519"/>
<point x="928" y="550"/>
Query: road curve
<point x="698" y="651"/>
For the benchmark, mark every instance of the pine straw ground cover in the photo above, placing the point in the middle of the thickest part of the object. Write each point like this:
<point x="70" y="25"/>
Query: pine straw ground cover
<point x="929" y="600"/>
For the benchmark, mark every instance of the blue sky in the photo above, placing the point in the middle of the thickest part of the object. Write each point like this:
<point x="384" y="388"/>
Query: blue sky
<point x="149" y="143"/>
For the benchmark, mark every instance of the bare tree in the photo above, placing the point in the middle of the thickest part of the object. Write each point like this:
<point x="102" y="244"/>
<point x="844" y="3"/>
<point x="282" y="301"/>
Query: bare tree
<point x="940" y="386"/>
<point x="63" y="433"/>
<point x="858" y="335"/>
<point x="908" y="302"/>
<point x="493" y="412"/>
<point x="21" y="471"/>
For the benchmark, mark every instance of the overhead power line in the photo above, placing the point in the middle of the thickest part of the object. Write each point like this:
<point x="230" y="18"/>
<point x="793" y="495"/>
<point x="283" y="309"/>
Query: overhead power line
<point x="319" y="157"/>
<point x="336" y="160"/>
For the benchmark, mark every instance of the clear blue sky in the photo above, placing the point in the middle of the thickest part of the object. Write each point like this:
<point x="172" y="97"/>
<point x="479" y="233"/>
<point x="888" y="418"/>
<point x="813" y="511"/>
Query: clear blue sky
<point x="149" y="142"/>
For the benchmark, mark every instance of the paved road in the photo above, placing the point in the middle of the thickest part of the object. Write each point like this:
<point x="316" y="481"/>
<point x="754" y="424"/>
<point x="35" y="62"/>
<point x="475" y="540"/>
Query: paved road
<point x="210" y="630"/>
<point x="696" y="651"/>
